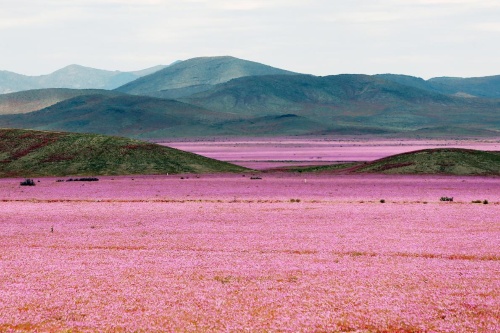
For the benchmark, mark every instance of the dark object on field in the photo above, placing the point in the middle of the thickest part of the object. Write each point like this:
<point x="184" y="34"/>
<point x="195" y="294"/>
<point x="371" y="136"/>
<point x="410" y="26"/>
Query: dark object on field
<point x="28" y="182"/>
<point x="85" y="179"/>
<point x="485" y="202"/>
<point x="382" y="201"/>
<point x="255" y="178"/>
<point x="446" y="199"/>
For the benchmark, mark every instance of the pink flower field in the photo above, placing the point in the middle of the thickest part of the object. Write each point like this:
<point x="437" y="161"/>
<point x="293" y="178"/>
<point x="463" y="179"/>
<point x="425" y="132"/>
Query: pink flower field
<point x="263" y="153"/>
<point x="227" y="253"/>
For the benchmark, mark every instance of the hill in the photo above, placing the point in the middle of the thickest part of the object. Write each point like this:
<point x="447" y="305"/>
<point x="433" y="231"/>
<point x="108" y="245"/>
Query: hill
<point x="27" y="153"/>
<point x="73" y="76"/>
<point x="32" y="100"/>
<point x="450" y="161"/>
<point x="123" y="115"/>
<point x="351" y="104"/>
<point x="195" y="75"/>
<point x="274" y="105"/>
<point x="485" y="87"/>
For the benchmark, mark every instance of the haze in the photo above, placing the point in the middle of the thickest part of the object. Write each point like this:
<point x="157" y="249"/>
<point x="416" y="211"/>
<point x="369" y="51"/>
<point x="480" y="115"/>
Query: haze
<point x="425" y="38"/>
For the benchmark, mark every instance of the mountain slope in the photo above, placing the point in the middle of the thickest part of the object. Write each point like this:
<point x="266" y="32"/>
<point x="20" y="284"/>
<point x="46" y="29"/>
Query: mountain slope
<point x="27" y="153"/>
<point x="486" y="87"/>
<point x="274" y="105"/>
<point x="453" y="161"/>
<point x="32" y="100"/>
<point x="73" y="76"/>
<point x="124" y="115"/>
<point x="349" y="101"/>
<point x="195" y="75"/>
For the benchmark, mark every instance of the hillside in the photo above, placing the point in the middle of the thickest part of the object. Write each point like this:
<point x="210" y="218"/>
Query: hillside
<point x="195" y="75"/>
<point x="32" y="100"/>
<point x="274" y="105"/>
<point x="485" y="87"/>
<point x="73" y="76"/>
<point x="450" y="161"/>
<point x="27" y="153"/>
<point x="355" y="103"/>
<point x="124" y="115"/>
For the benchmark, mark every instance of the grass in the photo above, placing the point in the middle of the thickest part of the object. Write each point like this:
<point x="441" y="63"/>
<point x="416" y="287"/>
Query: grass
<point x="322" y="168"/>
<point x="445" y="161"/>
<point x="452" y="161"/>
<point x="29" y="153"/>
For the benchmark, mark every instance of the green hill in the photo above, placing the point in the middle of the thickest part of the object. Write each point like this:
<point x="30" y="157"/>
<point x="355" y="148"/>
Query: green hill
<point x="350" y="103"/>
<point x="449" y="161"/>
<point x="33" y="100"/>
<point x="275" y="105"/>
<point x="124" y="115"/>
<point x="486" y="87"/>
<point x="27" y="153"/>
<point x="194" y="75"/>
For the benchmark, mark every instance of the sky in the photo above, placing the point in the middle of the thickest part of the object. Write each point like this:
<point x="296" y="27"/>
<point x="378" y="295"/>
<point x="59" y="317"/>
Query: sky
<point x="424" y="38"/>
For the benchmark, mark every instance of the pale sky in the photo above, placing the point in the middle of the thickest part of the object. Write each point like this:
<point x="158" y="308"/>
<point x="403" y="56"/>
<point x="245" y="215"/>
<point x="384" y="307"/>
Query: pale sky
<point x="424" y="38"/>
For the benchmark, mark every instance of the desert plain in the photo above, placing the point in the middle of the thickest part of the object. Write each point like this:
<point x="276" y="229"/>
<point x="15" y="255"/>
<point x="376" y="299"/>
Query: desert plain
<point x="256" y="251"/>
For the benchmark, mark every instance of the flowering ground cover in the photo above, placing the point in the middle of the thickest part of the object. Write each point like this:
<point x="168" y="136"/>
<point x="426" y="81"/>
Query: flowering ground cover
<point x="263" y="153"/>
<point x="229" y="253"/>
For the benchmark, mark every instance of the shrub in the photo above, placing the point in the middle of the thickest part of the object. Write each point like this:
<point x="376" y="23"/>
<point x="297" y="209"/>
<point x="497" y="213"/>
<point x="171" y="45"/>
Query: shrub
<point x="382" y="201"/>
<point x="476" y="201"/>
<point x="28" y="182"/>
<point x="485" y="202"/>
<point x="446" y="199"/>
<point x="85" y="179"/>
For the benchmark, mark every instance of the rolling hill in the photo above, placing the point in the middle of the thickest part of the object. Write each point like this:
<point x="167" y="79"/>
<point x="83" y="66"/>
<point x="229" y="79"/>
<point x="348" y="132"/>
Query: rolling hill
<point x="33" y="100"/>
<point x="450" y="161"/>
<point x="124" y="115"/>
<point x="356" y="103"/>
<point x="274" y="105"/>
<point x="195" y="75"/>
<point x="73" y="76"/>
<point x="485" y="87"/>
<point x="28" y="153"/>
<point x="439" y="161"/>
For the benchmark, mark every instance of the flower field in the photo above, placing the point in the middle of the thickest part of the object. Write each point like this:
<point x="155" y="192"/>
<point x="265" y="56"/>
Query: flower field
<point x="262" y="153"/>
<point x="285" y="253"/>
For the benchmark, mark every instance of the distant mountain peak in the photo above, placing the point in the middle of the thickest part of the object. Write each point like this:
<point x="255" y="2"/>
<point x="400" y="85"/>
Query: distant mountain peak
<point x="73" y="76"/>
<point x="195" y="75"/>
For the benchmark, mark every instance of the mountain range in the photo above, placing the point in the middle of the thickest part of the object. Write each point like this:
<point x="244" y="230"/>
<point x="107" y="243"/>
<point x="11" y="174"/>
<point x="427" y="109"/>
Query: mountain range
<point x="230" y="96"/>
<point x="72" y="76"/>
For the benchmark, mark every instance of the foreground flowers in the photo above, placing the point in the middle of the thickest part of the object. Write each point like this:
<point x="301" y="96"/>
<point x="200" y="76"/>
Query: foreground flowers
<point x="165" y="254"/>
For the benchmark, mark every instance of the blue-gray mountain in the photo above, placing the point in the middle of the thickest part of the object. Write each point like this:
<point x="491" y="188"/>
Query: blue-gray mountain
<point x="230" y="96"/>
<point x="275" y="105"/>
<point x="196" y="75"/>
<point x="487" y="87"/>
<point x="73" y="76"/>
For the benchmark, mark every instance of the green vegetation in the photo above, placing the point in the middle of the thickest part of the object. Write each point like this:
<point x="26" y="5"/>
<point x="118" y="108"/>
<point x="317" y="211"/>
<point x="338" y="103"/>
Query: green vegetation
<point x="225" y="96"/>
<point x="452" y="161"/>
<point x="194" y="75"/>
<point x="28" y="153"/>
<point x="33" y="100"/>
<point x="487" y="86"/>
<point x="323" y="168"/>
